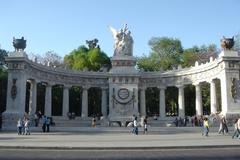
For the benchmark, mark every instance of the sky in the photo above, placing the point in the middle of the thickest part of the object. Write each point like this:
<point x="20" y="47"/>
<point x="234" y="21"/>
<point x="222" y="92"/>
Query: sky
<point x="63" y="25"/>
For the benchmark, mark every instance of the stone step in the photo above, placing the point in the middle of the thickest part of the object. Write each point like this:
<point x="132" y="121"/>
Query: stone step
<point x="60" y="121"/>
<point x="156" y="130"/>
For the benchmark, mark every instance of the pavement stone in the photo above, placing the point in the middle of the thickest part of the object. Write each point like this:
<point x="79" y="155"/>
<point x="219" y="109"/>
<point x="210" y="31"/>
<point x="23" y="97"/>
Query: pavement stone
<point x="107" y="138"/>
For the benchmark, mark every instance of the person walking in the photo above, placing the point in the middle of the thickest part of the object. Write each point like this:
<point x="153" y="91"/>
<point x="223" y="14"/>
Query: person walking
<point x="236" y="130"/>
<point x="48" y="121"/>
<point x="26" y="126"/>
<point x="94" y="121"/>
<point x="205" y="127"/>
<point x="19" y="126"/>
<point x="135" y="125"/>
<point x="44" y="123"/>
<point x="36" y="119"/>
<point x="223" y="126"/>
<point x="145" y="125"/>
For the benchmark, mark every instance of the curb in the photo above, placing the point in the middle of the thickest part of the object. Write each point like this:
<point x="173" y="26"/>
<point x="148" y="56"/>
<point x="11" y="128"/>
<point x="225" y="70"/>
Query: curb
<point x="121" y="148"/>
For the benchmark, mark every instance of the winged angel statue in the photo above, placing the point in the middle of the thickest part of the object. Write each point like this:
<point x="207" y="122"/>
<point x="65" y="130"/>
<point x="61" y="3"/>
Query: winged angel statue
<point x="123" y="41"/>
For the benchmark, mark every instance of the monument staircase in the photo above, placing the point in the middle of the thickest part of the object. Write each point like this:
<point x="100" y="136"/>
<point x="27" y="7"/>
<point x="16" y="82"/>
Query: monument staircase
<point x="60" y="121"/>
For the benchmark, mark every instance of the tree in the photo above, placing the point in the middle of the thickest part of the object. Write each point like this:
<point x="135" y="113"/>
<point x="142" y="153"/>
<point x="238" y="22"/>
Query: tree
<point x="201" y="54"/>
<point x="50" y="58"/>
<point x="3" y="54"/>
<point x="92" y="57"/>
<point x="189" y="57"/>
<point x="53" y="59"/>
<point x="148" y="63"/>
<point x="165" y="54"/>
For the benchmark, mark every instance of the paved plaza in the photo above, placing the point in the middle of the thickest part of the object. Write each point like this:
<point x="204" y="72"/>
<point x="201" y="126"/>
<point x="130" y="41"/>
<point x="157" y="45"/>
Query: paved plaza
<point x="102" y="138"/>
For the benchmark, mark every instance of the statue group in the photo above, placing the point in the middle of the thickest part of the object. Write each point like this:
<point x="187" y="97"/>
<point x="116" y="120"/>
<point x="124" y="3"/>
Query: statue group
<point x="123" y="41"/>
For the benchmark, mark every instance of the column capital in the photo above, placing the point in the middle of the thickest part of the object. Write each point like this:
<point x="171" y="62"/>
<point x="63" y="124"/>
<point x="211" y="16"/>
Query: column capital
<point x="49" y="84"/>
<point x="143" y="88"/>
<point x="104" y="88"/>
<point x="161" y="87"/>
<point x="211" y="81"/>
<point x="196" y="83"/>
<point x="180" y="86"/>
<point x="67" y="86"/>
<point x="86" y="87"/>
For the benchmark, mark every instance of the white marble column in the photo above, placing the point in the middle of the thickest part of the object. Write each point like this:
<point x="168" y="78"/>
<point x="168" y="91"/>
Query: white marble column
<point x="162" y="103"/>
<point x="213" y="97"/>
<point x="33" y="98"/>
<point x="142" y="101"/>
<point x="104" y="101"/>
<point x="199" y="109"/>
<point x="65" y="108"/>
<point x="48" y="100"/>
<point x="181" y="103"/>
<point x="85" y="101"/>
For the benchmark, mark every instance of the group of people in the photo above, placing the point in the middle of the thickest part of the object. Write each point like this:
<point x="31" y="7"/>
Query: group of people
<point x="23" y="126"/>
<point x="201" y="121"/>
<point x="223" y="128"/>
<point x="135" y="125"/>
<point x="44" y="120"/>
<point x="179" y="121"/>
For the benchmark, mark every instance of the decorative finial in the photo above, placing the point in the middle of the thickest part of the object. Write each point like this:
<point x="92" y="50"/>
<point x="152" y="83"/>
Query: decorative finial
<point x="19" y="44"/>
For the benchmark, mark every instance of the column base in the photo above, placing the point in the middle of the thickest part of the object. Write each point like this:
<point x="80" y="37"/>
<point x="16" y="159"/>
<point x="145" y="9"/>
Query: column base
<point x="9" y="120"/>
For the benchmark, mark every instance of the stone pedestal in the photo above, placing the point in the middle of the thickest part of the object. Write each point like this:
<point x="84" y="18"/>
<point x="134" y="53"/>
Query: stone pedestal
<point x="123" y="102"/>
<point x="123" y="89"/>
<point x="229" y="75"/>
<point x="10" y="119"/>
<point x="16" y="95"/>
<point x="228" y="53"/>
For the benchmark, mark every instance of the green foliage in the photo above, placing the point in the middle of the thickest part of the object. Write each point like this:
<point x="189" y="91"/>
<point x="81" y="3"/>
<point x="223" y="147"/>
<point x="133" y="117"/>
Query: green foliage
<point x="189" y="57"/>
<point x="166" y="54"/>
<point x="148" y="64"/>
<point x="3" y="54"/>
<point x="91" y="58"/>
<point x="167" y="50"/>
